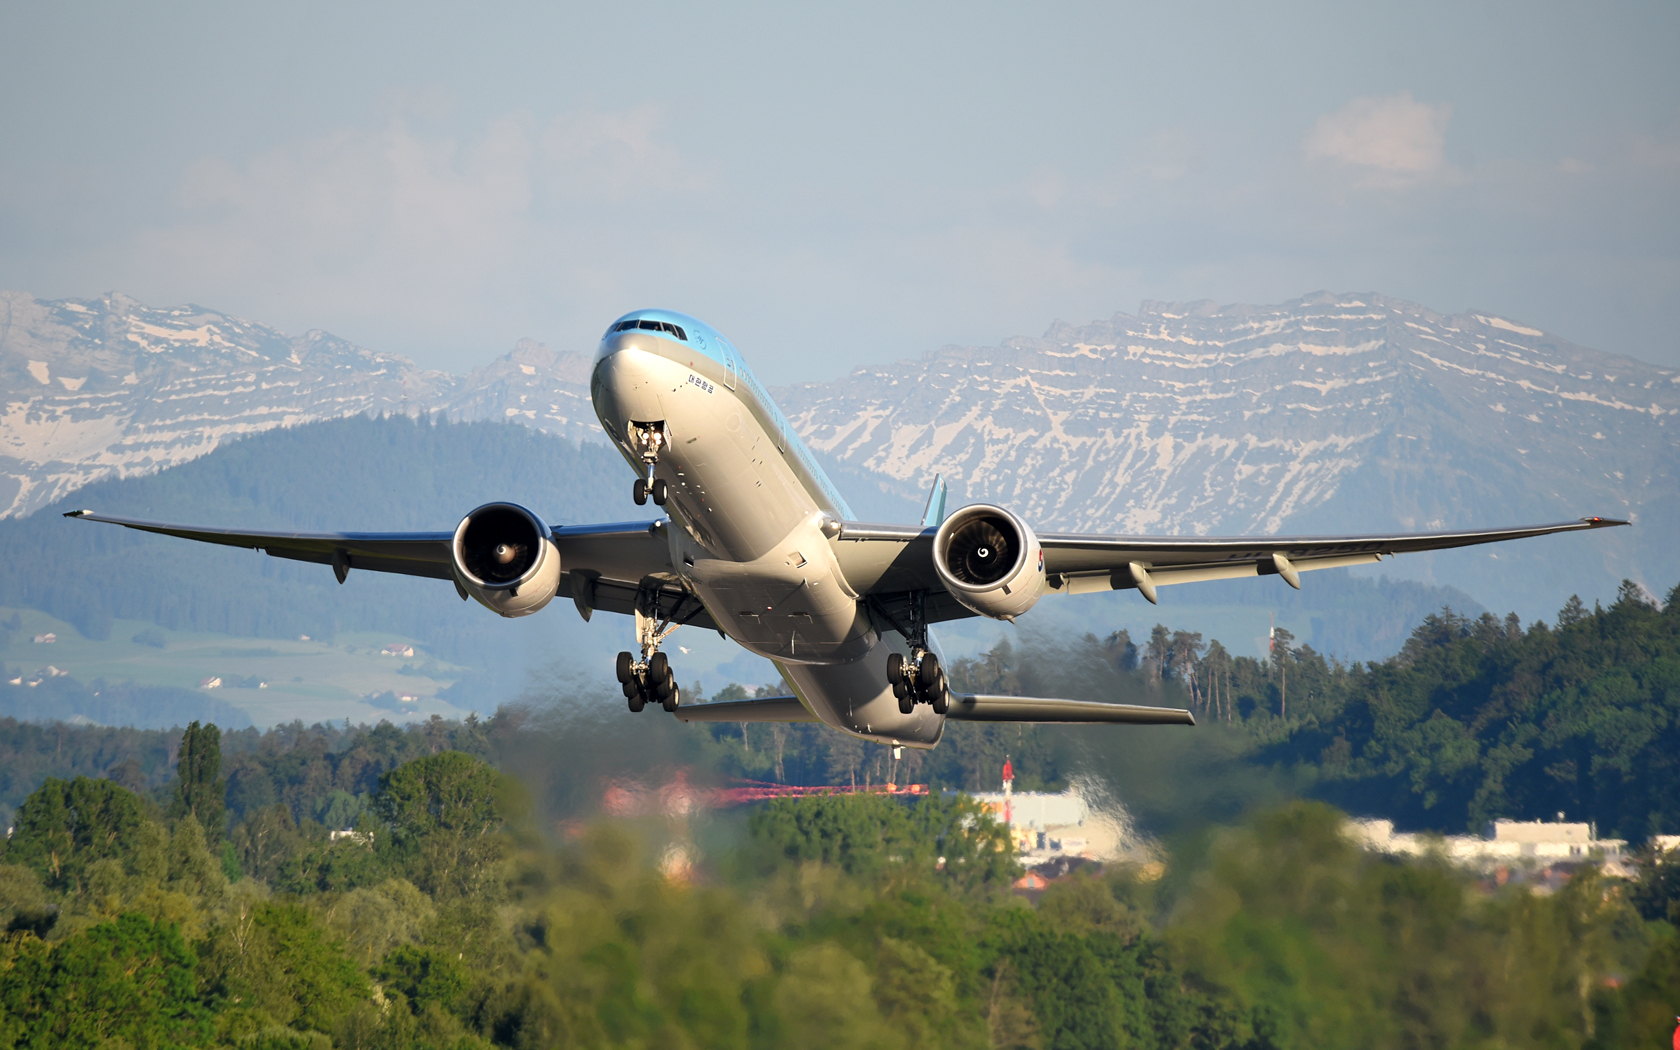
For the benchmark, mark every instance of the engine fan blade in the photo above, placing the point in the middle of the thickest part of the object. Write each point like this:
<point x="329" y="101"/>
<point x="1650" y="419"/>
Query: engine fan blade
<point x="980" y="553"/>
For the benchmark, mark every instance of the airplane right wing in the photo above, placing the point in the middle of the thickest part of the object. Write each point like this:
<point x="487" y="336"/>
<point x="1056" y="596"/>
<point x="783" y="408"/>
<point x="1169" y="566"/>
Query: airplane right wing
<point x="974" y="707"/>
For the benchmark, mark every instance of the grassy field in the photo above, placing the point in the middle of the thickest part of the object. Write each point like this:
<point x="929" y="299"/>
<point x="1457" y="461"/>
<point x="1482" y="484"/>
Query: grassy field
<point x="271" y="680"/>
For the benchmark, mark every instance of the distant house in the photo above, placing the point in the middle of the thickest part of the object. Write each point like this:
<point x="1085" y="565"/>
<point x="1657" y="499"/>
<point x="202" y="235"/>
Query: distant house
<point x="210" y="683"/>
<point x="398" y="649"/>
<point x="46" y="639"/>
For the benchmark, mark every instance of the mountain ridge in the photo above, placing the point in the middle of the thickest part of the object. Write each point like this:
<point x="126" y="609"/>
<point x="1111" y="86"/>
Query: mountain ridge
<point x="1328" y="413"/>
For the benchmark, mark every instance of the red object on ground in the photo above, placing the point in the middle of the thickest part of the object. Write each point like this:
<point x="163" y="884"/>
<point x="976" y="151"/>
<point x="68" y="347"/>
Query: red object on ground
<point x="1008" y="771"/>
<point x="1677" y="1033"/>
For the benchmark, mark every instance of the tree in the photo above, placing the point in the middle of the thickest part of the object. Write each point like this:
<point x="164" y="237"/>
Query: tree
<point x="444" y="813"/>
<point x="200" y="790"/>
<point x="126" y="983"/>
<point x="64" y="828"/>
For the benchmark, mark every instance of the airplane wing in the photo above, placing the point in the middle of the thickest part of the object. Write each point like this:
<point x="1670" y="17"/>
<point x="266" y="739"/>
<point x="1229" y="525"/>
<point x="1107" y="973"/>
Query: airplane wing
<point x="974" y="707"/>
<point x="762" y="709"/>
<point x="888" y="563"/>
<point x="605" y="565"/>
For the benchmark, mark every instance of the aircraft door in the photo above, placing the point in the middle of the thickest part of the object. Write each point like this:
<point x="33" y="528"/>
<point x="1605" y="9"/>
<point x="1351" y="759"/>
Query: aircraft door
<point x="728" y="365"/>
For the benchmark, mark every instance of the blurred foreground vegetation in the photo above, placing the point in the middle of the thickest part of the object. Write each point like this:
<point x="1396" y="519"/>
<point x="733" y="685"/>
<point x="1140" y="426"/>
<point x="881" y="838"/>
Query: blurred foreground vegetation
<point x="471" y="908"/>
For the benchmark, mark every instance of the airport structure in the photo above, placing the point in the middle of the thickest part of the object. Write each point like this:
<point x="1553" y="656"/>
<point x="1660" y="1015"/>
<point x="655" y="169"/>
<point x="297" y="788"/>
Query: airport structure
<point x="1502" y="844"/>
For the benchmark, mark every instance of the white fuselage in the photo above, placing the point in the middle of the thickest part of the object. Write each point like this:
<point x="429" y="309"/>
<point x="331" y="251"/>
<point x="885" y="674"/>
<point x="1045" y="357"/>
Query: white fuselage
<point x="751" y="508"/>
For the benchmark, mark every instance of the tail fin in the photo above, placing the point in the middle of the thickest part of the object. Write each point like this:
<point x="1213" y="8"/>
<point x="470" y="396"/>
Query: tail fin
<point x="933" y="515"/>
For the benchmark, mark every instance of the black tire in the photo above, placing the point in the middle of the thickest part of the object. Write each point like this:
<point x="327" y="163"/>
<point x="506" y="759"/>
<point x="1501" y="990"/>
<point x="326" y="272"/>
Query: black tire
<point x="625" y="663"/>
<point x="673" y="701"/>
<point x="631" y="688"/>
<point x="659" y="667"/>
<point x="927" y="675"/>
<point x="901" y="690"/>
<point x="639" y="492"/>
<point x="660" y="491"/>
<point x="895" y="668"/>
<point x="941" y="699"/>
<point x="637" y="702"/>
<point x="906" y="702"/>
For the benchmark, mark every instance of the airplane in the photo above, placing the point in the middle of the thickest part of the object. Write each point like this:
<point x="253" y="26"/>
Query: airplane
<point x="758" y="545"/>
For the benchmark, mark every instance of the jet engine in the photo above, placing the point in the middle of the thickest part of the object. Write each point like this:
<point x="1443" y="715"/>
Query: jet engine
<point x="990" y="561"/>
<point x="504" y="556"/>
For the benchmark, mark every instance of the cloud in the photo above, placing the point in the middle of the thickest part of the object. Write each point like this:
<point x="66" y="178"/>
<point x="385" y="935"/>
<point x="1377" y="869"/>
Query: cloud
<point x="1393" y="140"/>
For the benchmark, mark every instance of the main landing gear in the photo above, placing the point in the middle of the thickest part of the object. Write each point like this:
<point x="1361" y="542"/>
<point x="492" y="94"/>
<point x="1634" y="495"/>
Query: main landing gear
<point x="918" y="680"/>
<point x="651" y="439"/>
<point x="650" y="678"/>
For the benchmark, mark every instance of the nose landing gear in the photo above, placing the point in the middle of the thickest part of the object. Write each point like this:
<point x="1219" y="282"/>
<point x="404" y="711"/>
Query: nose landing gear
<point x="650" y="438"/>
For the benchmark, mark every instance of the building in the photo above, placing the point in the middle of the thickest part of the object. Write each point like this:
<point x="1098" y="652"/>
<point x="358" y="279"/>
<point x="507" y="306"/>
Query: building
<point x="1502" y="844"/>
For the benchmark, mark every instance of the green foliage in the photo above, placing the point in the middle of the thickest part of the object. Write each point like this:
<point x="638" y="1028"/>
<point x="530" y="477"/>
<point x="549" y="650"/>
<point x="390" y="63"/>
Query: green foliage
<point x="64" y="829"/>
<point x="873" y="835"/>
<point x="444" y="813"/>
<point x="129" y="982"/>
<point x="200" y="792"/>
<point x="270" y="962"/>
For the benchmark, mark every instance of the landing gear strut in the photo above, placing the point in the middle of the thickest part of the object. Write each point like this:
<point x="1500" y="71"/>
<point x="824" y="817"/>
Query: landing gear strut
<point x="651" y="439"/>
<point x="919" y="679"/>
<point x="649" y="678"/>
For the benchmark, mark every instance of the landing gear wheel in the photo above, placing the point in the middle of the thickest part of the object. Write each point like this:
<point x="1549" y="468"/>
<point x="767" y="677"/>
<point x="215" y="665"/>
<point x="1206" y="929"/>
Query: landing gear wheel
<point x="626" y="663"/>
<point x="639" y="491"/>
<point x="895" y="674"/>
<point x="927" y="675"/>
<point x="674" y="699"/>
<point x="941" y="700"/>
<point x="906" y="702"/>
<point x="637" y="700"/>
<point x="660" y="491"/>
<point x="659" y="668"/>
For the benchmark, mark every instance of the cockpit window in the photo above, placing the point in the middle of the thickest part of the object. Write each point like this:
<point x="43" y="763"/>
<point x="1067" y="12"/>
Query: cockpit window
<point x="652" y="326"/>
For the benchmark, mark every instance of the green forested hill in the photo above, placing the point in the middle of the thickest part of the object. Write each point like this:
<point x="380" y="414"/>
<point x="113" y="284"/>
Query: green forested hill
<point x="348" y="474"/>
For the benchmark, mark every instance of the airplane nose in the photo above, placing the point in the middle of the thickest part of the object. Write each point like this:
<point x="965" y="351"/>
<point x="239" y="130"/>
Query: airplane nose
<point x="624" y="375"/>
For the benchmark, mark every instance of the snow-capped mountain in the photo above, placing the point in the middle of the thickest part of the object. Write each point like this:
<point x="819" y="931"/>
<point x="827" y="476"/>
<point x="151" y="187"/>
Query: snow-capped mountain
<point x="1331" y="413"/>
<point x="101" y="387"/>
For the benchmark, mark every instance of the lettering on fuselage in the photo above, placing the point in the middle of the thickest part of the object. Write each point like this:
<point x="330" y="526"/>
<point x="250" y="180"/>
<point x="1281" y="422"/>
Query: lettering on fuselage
<point x="695" y="380"/>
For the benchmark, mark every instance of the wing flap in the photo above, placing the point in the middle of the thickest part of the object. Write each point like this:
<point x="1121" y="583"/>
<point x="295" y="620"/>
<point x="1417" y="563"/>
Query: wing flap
<point x="763" y="709"/>
<point x="971" y="707"/>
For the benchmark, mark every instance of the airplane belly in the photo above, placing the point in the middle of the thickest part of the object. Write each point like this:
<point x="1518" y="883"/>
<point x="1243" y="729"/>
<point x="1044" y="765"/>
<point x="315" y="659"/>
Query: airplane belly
<point x="855" y="698"/>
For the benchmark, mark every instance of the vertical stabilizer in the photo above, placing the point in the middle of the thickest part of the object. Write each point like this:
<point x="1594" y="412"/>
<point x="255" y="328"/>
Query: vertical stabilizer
<point x="933" y="515"/>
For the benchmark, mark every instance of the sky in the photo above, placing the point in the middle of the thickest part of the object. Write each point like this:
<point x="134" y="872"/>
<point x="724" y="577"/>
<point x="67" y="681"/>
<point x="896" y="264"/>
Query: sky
<point x="839" y="185"/>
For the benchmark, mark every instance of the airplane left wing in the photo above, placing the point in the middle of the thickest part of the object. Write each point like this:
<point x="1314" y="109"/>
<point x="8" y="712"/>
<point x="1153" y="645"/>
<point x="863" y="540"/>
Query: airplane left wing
<point x="605" y="566"/>
<point x="890" y="563"/>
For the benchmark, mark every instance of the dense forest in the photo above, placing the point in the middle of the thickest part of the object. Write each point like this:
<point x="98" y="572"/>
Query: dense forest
<point x="481" y="901"/>
<point x="1470" y="721"/>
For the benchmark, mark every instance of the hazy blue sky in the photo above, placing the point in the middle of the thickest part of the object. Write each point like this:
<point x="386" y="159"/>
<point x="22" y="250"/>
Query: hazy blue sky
<point x="834" y="185"/>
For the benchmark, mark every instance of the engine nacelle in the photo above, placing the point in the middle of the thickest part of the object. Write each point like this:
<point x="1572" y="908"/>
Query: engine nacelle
<point x="990" y="561"/>
<point x="504" y="556"/>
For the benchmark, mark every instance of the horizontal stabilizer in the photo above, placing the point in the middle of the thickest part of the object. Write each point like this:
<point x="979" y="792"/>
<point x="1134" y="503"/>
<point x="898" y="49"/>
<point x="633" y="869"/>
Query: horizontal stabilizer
<point x="967" y="707"/>
<point x="764" y="709"/>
